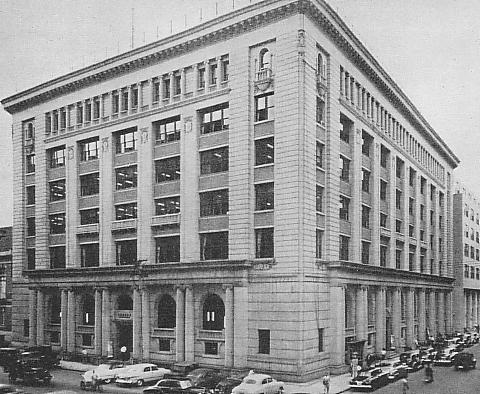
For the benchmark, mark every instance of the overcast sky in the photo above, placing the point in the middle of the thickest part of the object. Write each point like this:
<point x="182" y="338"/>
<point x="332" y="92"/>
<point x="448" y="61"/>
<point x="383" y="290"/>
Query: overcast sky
<point x="431" y="48"/>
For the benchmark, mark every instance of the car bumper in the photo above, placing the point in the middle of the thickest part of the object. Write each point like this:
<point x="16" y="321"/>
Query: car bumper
<point x="125" y="382"/>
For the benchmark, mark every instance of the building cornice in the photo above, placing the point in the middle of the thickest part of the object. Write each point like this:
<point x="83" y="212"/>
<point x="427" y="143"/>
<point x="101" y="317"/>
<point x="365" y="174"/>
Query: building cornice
<point x="248" y="18"/>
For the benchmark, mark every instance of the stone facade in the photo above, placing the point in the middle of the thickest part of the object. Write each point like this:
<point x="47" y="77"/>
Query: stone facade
<point x="277" y="277"/>
<point x="5" y="285"/>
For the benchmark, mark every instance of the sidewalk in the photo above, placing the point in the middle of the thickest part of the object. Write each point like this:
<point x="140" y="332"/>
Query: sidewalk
<point x="338" y="383"/>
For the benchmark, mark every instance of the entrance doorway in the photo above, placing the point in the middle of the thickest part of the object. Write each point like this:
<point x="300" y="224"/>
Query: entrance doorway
<point x="125" y="338"/>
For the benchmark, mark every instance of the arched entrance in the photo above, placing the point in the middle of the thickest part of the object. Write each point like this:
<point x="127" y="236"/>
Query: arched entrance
<point x="124" y="327"/>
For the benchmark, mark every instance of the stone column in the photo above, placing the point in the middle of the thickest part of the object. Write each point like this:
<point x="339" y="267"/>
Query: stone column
<point x="189" y="325"/>
<point x="71" y="326"/>
<point x="380" y="306"/>
<point x="467" y="308"/>
<point x="64" y="320"/>
<point x="98" y="322"/>
<point x="361" y="314"/>
<point x="475" y="308"/>
<point x="337" y="334"/>
<point x="180" y="325"/>
<point x="448" y="312"/>
<point x="421" y="315"/>
<point x="107" y="349"/>
<point x="172" y="86"/>
<point x="432" y="315"/>
<point x="441" y="312"/>
<point x="375" y="211"/>
<point x="137" y="323"/>
<point x="195" y="79"/>
<point x="240" y="323"/>
<point x="40" y="318"/>
<point x="183" y="82"/>
<point x="357" y="196"/>
<point x="229" y="326"/>
<point x="396" y="316"/>
<point x="410" y="317"/>
<point x="146" y="323"/>
<point x="32" y="313"/>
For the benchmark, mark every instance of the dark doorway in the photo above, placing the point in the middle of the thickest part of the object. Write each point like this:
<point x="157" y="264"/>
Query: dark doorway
<point x="125" y="337"/>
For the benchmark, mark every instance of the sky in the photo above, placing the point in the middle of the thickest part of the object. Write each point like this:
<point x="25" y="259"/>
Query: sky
<point x="431" y="49"/>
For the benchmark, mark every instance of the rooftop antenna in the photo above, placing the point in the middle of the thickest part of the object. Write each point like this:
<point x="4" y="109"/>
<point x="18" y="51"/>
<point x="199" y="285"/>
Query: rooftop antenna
<point x="133" y="31"/>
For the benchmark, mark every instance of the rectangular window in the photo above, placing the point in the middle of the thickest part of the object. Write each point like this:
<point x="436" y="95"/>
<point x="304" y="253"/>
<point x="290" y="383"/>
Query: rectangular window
<point x="344" y="244"/>
<point x="365" y="181"/>
<point x="31" y="227"/>
<point x="365" y="216"/>
<point x="96" y="108"/>
<point x="264" y="107"/>
<point x="90" y="255"/>
<point x="167" y="130"/>
<point x="156" y="91"/>
<point x="383" y="220"/>
<point x="126" y="211"/>
<point x="472" y="252"/>
<point x="411" y="206"/>
<point x="88" y="111"/>
<point x="423" y="183"/>
<point x="115" y="102"/>
<point x="89" y="216"/>
<point x="214" y="160"/>
<point x="320" y="153"/>
<point x="57" y="257"/>
<point x="57" y="190"/>
<point x="214" y="203"/>
<point x="55" y="121"/>
<point x="26" y="328"/>
<point x="319" y="244"/>
<point x="225" y="65"/>
<point x="166" y="88"/>
<point x="126" y="252"/>
<point x="398" y="199"/>
<point x="63" y="118"/>
<point x="125" y="177"/>
<point x="399" y="167"/>
<point x="201" y="77"/>
<point x="211" y="348"/>
<point x="264" y="341"/>
<point x="344" y="169"/>
<point x="167" y="249"/>
<point x="264" y="151"/>
<point x="383" y="255"/>
<point x="344" y="208"/>
<point x="367" y="141"/>
<point x="319" y="198"/>
<point x="212" y="75"/>
<point x="321" y="345"/>
<point x="345" y="129"/>
<point x="87" y="340"/>
<point x="411" y="230"/>
<point x="383" y="190"/>
<point x="90" y="184"/>
<point x="320" y="113"/>
<point x="134" y="97"/>
<point x="264" y="196"/>
<point x="384" y="156"/>
<point x="57" y="157"/>
<point x="398" y="259"/>
<point x="124" y="100"/>
<point x="411" y="177"/>
<point x="57" y="223"/>
<point x="163" y="345"/>
<point x="214" y="119"/>
<point x="30" y="259"/>
<point x="30" y="163"/>
<point x="167" y="169"/>
<point x="30" y="195"/>
<point x="214" y="246"/>
<point x="126" y="140"/>
<point x="365" y="252"/>
<point x="398" y="226"/>
<point x="167" y="206"/>
<point x="422" y="212"/>
<point x="264" y="247"/>
<point x="89" y="149"/>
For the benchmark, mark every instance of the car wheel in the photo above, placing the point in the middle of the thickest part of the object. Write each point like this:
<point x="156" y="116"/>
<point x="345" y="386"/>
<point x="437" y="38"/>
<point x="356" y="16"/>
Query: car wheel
<point x="139" y="382"/>
<point x="107" y="381"/>
<point x="82" y="385"/>
<point x="281" y="390"/>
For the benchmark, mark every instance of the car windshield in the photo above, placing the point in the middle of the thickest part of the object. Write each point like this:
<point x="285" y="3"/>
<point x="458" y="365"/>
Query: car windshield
<point x="185" y="384"/>
<point x="250" y="381"/>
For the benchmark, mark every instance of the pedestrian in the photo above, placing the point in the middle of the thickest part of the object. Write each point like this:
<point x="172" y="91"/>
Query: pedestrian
<point x="354" y="365"/>
<point x="326" y="383"/>
<point x="405" y="387"/>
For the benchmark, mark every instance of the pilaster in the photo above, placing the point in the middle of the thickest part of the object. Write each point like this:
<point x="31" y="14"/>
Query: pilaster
<point x="380" y="305"/>
<point x="180" y="325"/>
<point x="189" y="325"/>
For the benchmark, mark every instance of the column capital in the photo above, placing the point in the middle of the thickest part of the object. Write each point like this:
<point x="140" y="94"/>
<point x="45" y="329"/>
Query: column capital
<point x="227" y="286"/>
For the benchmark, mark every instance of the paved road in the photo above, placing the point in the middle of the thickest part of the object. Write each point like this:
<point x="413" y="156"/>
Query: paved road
<point x="67" y="380"/>
<point x="447" y="380"/>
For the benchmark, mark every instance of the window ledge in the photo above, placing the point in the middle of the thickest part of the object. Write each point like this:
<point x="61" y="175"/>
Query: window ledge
<point x="263" y="121"/>
<point x="264" y="165"/>
<point x="264" y="210"/>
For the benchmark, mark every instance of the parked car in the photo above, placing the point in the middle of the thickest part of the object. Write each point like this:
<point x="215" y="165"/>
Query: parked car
<point x="30" y="370"/>
<point x="370" y="379"/>
<point x="9" y="389"/>
<point x="464" y="360"/>
<point x="138" y="374"/>
<point x="397" y="370"/>
<point x="205" y="377"/>
<point x="226" y="385"/>
<point x="45" y="353"/>
<point x="258" y="383"/>
<point x="8" y="356"/>
<point x="173" y="386"/>
<point x="106" y="372"/>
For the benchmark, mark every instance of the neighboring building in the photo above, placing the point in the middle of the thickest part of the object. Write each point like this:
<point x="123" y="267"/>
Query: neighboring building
<point x="255" y="192"/>
<point x="466" y="258"/>
<point x="5" y="285"/>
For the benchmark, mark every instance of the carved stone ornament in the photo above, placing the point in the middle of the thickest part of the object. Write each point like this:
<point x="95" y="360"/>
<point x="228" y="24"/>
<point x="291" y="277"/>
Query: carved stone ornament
<point x="263" y="85"/>
<point x="188" y="125"/>
<point x="264" y="265"/>
<point x="105" y="144"/>
<point x="144" y="134"/>
<point x="301" y="38"/>
<point x="71" y="153"/>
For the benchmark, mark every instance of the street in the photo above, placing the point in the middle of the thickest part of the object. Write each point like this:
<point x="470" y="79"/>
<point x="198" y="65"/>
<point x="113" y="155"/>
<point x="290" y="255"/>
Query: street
<point x="446" y="380"/>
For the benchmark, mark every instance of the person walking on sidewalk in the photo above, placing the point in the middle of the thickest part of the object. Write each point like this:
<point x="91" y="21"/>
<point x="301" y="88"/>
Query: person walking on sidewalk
<point x="405" y="387"/>
<point x="354" y="365"/>
<point x="326" y="383"/>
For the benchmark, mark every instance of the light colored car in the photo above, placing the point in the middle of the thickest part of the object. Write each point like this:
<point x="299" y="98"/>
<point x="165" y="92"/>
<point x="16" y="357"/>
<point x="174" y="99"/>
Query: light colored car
<point x="258" y="383"/>
<point x="106" y="372"/>
<point x="138" y="374"/>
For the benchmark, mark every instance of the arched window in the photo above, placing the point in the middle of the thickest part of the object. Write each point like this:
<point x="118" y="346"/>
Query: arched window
<point x="265" y="59"/>
<point x="88" y="310"/>
<point x="213" y="313"/>
<point x="55" y="309"/>
<point x="166" y="312"/>
<point x="125" y="303"/>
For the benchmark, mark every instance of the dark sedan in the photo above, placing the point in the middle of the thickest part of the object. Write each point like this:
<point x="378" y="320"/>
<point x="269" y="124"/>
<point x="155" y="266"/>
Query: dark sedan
<point x="205" y="377"/>
<point x="173" y="386"/>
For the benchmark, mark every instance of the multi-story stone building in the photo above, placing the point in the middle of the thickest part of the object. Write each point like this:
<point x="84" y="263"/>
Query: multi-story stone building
<point x="466" y="258"/>
<point x="5" y="285"/>
<point x="253" y="192"/>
